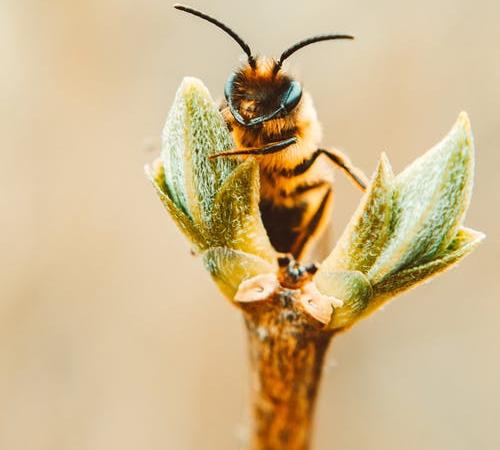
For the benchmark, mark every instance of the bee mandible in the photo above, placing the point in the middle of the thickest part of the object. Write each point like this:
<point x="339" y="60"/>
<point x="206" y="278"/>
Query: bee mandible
<point x="273" y="119"/>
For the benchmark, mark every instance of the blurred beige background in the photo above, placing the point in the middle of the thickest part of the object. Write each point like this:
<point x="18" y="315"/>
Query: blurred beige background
<point x="113" y="337"/>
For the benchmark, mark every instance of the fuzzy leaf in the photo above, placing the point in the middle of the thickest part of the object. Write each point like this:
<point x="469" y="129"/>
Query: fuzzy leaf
<point x="156" y="175"/>
<point x="369" y="228"/>
<point x="465" y="241"/>
<point x="431" y="197"/>
<point x="352" y="287"/>
<point x="195" y="129"/>
<point x="215" y="202"/>
<point x="236" y="221"/>
<point x="230" y="267"/>
<point x="406" y="229"/>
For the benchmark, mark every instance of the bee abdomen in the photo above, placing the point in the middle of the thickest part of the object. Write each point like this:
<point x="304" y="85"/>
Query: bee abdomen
<point x="291" y="226"/>
<point x="283" y="224"/>
<point x="302" y="188"/>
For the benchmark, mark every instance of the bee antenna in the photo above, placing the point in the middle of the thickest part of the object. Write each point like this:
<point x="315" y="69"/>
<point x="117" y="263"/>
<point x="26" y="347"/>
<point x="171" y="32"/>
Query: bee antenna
<point x="323" y="37"/>
<point x="241" y="42"/>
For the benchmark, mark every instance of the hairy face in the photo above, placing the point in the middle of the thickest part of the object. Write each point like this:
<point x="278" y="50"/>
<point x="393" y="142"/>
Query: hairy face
<point x="260" y="91"/>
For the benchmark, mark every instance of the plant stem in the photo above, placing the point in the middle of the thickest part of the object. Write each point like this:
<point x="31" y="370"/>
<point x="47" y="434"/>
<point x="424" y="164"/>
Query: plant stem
<point x="287" y="348"/>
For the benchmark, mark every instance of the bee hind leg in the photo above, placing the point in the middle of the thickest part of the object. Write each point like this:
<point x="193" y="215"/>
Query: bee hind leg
<point x="319" y="217"/>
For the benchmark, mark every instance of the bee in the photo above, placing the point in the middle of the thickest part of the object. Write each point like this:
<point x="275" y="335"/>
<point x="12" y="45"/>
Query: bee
<point x="274" y="120"/>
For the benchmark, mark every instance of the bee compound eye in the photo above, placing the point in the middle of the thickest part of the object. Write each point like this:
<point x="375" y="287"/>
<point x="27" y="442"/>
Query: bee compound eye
<point x="292" y="96"/>
<point x="228" y="93"/>
<point x="229" y="87"/>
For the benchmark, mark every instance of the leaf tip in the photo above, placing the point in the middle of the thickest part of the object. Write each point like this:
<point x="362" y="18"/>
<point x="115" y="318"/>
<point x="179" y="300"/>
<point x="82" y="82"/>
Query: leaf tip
<point x="473" y="236"/>
<point x="190" y="85"/>
<point x="463" y="125"/>
<point x="384" y="167"/>
<point x="464" y="121"/>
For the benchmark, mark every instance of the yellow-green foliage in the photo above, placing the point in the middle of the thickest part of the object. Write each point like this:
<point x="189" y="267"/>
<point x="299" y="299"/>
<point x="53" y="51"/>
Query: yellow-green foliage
<point x="215" y="202"/>
<point x="406" y="229"/>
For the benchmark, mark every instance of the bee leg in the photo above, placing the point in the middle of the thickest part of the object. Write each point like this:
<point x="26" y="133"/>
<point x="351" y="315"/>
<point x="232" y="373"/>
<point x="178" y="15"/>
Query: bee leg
<point x="313" y="225"/>
<point x="284" y="259"/>
<point x="312" y="268"/>
<point x="275" y="147"/>
<point x="345" y="164"/>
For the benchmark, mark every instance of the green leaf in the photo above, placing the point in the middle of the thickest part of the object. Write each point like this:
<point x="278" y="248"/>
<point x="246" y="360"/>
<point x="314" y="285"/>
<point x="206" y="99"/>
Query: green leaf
<point x="406" y="229"/>
<point x="465" y="241"/>
<point x="156" y="175"/>
<point x="352" y="287"/>
<point x="194" y="130"/>
<point x="230" y="267"/>
<point x="214" y="202"/>
<point x="236" y="221"/>
<point x="431" y="197"/>
<point x="369" y="228"/>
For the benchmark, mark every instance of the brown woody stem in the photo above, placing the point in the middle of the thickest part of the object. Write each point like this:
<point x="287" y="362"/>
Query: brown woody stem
<point x="287" y="348"/>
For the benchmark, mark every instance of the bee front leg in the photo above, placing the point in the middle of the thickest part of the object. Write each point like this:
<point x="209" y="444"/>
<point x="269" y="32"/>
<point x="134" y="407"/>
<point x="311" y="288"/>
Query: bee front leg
<point x="274" y="147"/>
<point x="345" y="164"/>
<point x="338" y="158"/>
<point x="353" y="172"/>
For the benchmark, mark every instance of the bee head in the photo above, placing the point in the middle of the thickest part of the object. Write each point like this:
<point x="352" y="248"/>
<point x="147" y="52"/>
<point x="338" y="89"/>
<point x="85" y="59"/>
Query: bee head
<point x="260" y="91"/>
